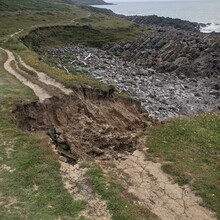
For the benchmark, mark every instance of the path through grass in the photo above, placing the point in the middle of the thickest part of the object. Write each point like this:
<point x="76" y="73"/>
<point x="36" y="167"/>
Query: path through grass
<point x="190" y="149"/>
<point x="30" y="182"/>
<point x="119" y="202"/>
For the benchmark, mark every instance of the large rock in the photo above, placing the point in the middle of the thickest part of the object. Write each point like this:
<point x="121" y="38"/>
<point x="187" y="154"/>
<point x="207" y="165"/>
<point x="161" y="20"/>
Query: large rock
<point x="181" y="61"/>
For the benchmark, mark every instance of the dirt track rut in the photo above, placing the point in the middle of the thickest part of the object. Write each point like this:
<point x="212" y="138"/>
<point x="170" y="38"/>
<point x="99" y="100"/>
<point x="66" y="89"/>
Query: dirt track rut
<point x="39" y="92"/>
<point x="43" y="77"/>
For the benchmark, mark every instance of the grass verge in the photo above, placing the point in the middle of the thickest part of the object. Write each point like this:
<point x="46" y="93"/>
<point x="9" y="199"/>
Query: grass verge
<point x="32" y="77"/>
<point x="69" y="80"/>
<point x="22" y="5"/>
<point x="30" y="182"/>
<point x="13" y="21"/>
<point x="191" y="147"/>
<point x="97" y="34"/>
<point x="118" y="201"/>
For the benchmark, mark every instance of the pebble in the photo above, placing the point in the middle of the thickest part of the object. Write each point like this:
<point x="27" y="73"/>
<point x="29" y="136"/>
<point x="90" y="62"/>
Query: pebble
<point x="163" y="96"/>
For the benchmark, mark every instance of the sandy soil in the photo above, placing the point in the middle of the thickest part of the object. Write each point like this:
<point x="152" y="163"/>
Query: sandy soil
<point x="18" y="32"/>
<point x="74" y="180"/>
<point x="43" y="77"/>
<point x="156" y="190"/>
<point x="40" y="93"/>
<point x="81" y="188"/>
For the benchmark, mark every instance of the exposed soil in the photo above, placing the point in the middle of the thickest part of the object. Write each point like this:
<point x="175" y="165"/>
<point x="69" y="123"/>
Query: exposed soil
<point x="80" y="187"/>
<point x="87" y="123"/>
<point x="16" y="33"/>
<point x="7" y="168"/>
<point x="9" y="201"/>
<point x="41" y="93"/>
<point x="90" y="124"/>
<point x="162" y="95"/>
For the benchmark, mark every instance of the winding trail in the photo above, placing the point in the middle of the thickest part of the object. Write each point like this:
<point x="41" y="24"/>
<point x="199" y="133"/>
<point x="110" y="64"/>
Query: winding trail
<point x="80" y="187"/>
<point x="77" y="184"/>
<point x="18" y="32"/>
<point x="43" y="77"/>
<point x="153" y="188"/>
<point x="39" y="92"/>
<point x="87" y="16"/>
<point x="156" y="191"/>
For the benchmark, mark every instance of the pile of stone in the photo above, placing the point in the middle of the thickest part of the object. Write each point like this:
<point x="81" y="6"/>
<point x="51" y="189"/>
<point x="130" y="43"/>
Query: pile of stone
<point x="163" y="95"/>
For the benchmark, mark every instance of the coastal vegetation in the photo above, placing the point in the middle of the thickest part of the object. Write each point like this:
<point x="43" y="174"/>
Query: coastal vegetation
<point x="189" y="150"/>
<point x="31" y="185"/>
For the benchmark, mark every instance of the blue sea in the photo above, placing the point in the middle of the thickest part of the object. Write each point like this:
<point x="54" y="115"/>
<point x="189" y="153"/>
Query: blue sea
<point x="202" y="11"/>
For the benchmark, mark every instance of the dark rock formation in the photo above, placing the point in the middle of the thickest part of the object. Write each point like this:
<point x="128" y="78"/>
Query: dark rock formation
<point x="166" y="22"/>
<point x="168" y="49"/>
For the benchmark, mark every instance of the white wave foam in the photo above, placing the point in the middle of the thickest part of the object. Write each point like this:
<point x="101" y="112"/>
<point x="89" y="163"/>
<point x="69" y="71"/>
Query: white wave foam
<point x="210" y="28"/>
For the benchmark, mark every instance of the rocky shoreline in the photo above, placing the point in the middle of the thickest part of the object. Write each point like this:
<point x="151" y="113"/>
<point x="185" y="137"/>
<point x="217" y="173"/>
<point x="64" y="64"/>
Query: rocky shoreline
<point x="166" y="49"/>
<point x="173" y="70"/>
<point x="166" y="22"/>
<point x="162" y="95"/>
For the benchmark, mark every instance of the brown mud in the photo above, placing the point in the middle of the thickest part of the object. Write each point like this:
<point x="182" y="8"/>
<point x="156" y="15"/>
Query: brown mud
<point x="86" y="124"/>
<point x="92" y="124"/>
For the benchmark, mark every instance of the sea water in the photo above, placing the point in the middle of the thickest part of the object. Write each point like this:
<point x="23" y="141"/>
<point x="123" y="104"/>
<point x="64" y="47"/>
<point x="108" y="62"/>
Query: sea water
<point x="202" y="11"/>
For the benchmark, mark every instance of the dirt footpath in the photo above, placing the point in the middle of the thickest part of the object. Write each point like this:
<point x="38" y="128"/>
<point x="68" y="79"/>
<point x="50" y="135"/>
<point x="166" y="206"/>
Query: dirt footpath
<point x="156" y="190"/>
<point x="39" y="92"/>
<point x="90" y="124"/>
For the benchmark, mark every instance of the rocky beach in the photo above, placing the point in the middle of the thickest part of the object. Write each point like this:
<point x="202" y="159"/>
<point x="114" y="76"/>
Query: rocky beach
<point x="106" y="116"/>
<point x="173" y="70"/>
<point x="163" y="95"/>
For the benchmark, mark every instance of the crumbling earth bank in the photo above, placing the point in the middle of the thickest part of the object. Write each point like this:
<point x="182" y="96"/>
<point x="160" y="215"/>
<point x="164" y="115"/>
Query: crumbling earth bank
<point x="87" y="123"/>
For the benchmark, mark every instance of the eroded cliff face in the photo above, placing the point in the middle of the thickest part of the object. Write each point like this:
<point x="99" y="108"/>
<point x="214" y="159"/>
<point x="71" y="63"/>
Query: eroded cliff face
<point x="87" y="123"/>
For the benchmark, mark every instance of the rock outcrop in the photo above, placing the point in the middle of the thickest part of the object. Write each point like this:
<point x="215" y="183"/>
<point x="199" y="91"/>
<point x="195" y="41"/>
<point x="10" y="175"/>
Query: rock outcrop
<point x="173" y="69"/>
<point x="166" y="22"/>
<point x="167" y="49"/>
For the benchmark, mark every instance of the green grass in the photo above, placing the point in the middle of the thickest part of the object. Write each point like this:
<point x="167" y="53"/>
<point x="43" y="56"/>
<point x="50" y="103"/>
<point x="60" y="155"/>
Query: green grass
<point x="58" y="36"/>
<point x="32" y="77"/>
<point x="123" y="30"/>
<point x="21" y="5"/>
<point x="192" y="146"/>
<point x="69" y="80"/>
<point x="118" y="201"/>
<point x="95" y="34"/>
<point x="95" y="29"/>
<point x="61" y="32"/>
<point x="35" y="186"/>
<point x="11" y="22"/>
